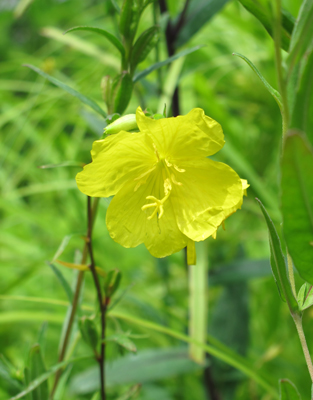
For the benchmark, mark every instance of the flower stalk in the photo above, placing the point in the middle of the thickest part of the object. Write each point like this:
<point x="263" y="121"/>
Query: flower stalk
<point x="80" y="279"/>
<point x="102" y="301"/>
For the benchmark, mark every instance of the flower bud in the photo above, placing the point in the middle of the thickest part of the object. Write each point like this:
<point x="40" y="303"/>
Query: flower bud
<point x="126" y="123"/>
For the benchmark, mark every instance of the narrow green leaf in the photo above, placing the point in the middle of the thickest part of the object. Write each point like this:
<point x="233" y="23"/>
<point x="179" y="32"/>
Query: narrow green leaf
<point x="215" y="348"/>
<point x="132" y="393"/>
<point x="288" y="390"/>
<point x="89" y="331"/>
<point x="123" y="93"/>
<point x="302" y="36"/>
<point x="82" y="46"/>
<point x="68" y="89"/>
<point x="42" y="378"/>
<point x="278" y="264"/>
<point x="21" y="7"/>
<point x="63" y="282"/>
<point x="270" y="89"/>
<point x="7" y="379"/>
<point x="262" y="11"/>
<point x="101" y="32"/>
<point x="305" y="296"/>
<point x="297" y="202"/>
<point x="198" y="14"/>
<point x="37" y="368"/>
<point x="143" y="45"/>
<point x="160" y="64"/>
<point x="123" y="340"/>
<point x="63" y="164"/>
<point x="129" y="18"/>
<point x="302" y="115"/>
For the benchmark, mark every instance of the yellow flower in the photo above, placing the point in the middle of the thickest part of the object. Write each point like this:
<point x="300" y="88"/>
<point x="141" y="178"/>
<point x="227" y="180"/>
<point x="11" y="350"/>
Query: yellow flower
<point x="167" y="192"/>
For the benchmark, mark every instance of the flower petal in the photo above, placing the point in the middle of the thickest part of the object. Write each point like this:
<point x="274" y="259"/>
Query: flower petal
<point x="192" y="135"/>
<point x="129" y="226"/>
<point x="209" y="193"/>
<point x="116" y="160"/>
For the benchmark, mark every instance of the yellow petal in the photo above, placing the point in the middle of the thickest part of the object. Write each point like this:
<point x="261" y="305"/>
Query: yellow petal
<point x="209" y="193"/>
<point x="192" y="135"/>
<point x="129" y="225"/>
<point x="116" y="160"/>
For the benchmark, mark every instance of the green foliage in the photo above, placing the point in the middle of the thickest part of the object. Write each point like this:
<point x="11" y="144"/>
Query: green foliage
<point x="262" y="10"/>
<point x="116" y="42"/>
<point x="36" y="368"/>
<point x="288" y="391"/>
<point x="278" y="264"/>
<point x="305" y="296"/>
<point x="89" y="332"/>
<point x="297" y="202"/>
<point x="270" y="89"/>
<point x="42" y="126"/>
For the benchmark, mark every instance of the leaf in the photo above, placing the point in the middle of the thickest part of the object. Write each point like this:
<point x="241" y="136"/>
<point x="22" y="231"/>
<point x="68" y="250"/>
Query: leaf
<point x="117" y="43"/>
<point x="63" y="164"/>
<point x="7" y="380"/>
<point x="143" y="45"/>
<point x="68" y="89"/>
<point x="160" y="64"/>
<point x="123" y="340"/>
<point x="147" y="366"/>
<point x="36" y="369"/>
<point x="262" y="11"/>
<point x="63" y="282"/>
<point x="83" y="46"/>
<point x="89" y="331"/>
<point x="239" y="271"/>
<point x="288" y="390"/>
<point x="278" y="264"/>
<point x="132" y="393"/>
<point x="21" y="7"/>
<point x="215" y="348"/>
<point x="80" y="267"/>
<point x="42" y="378"/>
<point x="229" y="321"/>
<point x="270" y="89"/>
<point x="305" y="296"/>
<point x="123" y="93"/>
<point x="297" y="202"/>
<point x="302" y="115"/>
<point x="198" y="14"/>
<point x="302" y="36"/>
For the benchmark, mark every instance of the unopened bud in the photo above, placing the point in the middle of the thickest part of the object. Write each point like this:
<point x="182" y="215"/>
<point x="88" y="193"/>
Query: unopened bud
<point x="125" y="123"/>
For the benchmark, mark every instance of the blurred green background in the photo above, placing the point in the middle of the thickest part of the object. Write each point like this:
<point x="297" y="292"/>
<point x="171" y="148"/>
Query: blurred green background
<point x="41" y="125"/>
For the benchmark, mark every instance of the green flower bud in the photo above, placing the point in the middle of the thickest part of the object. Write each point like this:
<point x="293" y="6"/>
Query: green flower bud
<point x="126" y="123"/>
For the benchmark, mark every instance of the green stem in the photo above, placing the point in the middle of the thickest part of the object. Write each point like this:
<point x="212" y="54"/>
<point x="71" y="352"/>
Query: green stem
<point x="298" y="322"/>
<point x="102" y="305"/>
<point x="291" y="275"/>
<point x="74" y="306"/>
<point x="279" y="67"/>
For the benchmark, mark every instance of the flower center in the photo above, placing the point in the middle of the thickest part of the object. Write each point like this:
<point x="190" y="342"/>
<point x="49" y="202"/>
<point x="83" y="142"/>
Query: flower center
<point x="167" y="170"/>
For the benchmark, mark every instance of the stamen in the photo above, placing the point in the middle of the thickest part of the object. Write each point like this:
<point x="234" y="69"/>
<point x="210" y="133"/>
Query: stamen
<point x="158" y="204"/>
<point x="156" y="151"/>
<point x="167" y="163"/>
<point x="145" y="173"/>
<point x="175" y="181"/>
<point x="179" y="169"/>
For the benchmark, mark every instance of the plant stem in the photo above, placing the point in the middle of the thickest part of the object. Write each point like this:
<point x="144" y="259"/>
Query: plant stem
<point x="279" y="67"/>
<point x="102" y="304"/>
<point x="74" y="306"/>
<point x="298" y="322"/>
<point x="291" y="275"/>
